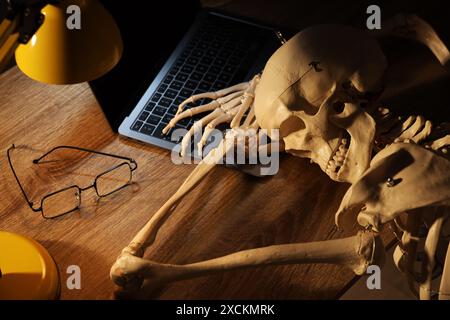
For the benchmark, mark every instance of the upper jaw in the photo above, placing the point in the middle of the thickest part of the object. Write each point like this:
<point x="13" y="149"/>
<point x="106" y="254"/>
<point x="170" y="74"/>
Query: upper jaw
<point x="349" y="160"/>
<point x="338" y="157"/>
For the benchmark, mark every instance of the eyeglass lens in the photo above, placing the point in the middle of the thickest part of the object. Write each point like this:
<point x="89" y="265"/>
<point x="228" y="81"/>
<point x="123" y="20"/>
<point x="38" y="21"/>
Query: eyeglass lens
<point x="61" y="202"/>
<point x="113" y="180"/>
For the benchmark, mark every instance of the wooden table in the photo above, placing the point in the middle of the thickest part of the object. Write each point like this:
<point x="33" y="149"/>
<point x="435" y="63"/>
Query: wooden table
<point x="228" y="211"/>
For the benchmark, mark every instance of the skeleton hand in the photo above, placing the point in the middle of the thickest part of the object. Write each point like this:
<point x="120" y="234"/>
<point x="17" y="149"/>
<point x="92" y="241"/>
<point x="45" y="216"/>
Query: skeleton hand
<point x="228" y="106"/>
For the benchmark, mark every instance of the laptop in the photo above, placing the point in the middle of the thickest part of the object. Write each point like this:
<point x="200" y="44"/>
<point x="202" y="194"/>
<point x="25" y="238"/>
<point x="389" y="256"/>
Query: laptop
<point x="215" y="52"/>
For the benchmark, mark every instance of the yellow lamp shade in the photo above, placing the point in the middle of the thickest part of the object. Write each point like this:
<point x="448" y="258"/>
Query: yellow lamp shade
<point x="27" y="269"/>
<point x="59" y="53"/>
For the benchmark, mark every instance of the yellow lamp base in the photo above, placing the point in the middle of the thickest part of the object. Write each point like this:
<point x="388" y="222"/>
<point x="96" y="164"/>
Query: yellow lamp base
<point x="28" y="272"/>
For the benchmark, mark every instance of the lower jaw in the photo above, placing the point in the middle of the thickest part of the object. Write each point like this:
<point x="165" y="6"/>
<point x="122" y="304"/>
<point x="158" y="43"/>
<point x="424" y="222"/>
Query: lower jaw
<point x="338" y="176"/>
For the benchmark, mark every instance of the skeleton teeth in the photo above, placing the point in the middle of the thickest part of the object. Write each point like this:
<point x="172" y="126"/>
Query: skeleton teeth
<point x="337" y="160"/>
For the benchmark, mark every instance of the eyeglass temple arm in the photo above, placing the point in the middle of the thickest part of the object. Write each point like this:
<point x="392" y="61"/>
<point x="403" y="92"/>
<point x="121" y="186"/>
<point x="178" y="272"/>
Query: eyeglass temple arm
<point x="133" y="162"/>
<point x="30" y="203"/>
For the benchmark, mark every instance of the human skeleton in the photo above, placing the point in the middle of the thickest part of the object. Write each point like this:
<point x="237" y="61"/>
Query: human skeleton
<point x="319" y="89"/>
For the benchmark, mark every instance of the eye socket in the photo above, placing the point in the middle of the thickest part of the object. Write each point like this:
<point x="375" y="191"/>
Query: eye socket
<point x="338" y="106"/>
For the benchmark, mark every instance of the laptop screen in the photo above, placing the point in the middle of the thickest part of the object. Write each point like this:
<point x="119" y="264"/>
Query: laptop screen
<point x="150" y="33"/>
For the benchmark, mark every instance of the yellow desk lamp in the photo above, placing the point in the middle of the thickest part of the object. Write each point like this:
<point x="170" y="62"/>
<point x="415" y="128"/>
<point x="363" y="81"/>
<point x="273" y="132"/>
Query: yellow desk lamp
<point x="49" y="50"/>
<point x="47" y="47"/>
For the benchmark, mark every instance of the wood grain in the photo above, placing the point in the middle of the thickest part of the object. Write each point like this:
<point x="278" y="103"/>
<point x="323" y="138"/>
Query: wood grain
<point x="228" y="211"/>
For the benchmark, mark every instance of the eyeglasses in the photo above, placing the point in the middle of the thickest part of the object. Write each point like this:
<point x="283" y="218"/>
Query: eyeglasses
<point x="68" y="199"/>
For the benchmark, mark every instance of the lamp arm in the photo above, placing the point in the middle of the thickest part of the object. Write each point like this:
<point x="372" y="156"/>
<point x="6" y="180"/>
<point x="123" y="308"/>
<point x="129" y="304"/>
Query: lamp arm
<point x="19" y="21"/>
<point x="30" y="16"/>
<point x="27" y="14"/>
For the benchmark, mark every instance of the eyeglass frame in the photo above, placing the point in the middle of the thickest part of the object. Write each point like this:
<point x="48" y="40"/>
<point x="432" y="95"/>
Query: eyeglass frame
<point x="80" y="190"/>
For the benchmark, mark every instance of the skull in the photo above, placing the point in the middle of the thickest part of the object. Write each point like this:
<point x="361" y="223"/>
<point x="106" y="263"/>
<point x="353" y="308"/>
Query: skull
<point x="314" y="89"/>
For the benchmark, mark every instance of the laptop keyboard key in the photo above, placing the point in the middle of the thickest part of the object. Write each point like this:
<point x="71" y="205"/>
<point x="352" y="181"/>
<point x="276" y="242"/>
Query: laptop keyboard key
<point x="224" y="77"/>
<point x="173" y="71"/>
<point x="156" y="97"/>
<point x="184" y="122"/>
<point x="137" y="125"/>
<point x="162" y="88"/>
<point x="201" y="68"/>
<point x="186" y="93"/>
<point x="187" y="69"/>
<point x="176" y="85"/>
<point x="182" y="77"/>
<point x="207" y="60"/>
<point x="159" y="111"/>
<point x="229" y="68"/>
<point x="165" y="102"/>
<point x="147" y="129"/>
<point x="192" y="61"/>
<point x="219" y="85"/>
<point x="205" y="86"/>
<point x="153" y="120"/>
<point x="170" y="94"/>
<point x="179" y="100"/>
<point x="214" y="70"/>
<point x="208" y="38"/>
<point x="172" y="110"/>
<point x="168" y="79"/>
<point x="179" y="63"/>
<point x="196" y="76"/>
<point x="198" y="53"/>
<point x="190" y="84"/>
<point x="219" y="61"/>
<point x="150" y="106"/>
<point x="225" y="54"/>
<point x="210" y="77"/>
<point x="167" y="118"/>
<point x="143" y="116"/>
<point x="158" y="132"/>
<point x="212" y="52"/>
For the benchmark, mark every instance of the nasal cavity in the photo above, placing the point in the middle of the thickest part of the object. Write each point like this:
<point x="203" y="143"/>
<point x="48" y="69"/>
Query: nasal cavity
<point x="338" y="107"/>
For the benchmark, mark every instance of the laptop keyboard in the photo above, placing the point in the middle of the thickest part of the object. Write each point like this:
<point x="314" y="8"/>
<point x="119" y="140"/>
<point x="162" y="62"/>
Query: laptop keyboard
<point x="218" y="55"/>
